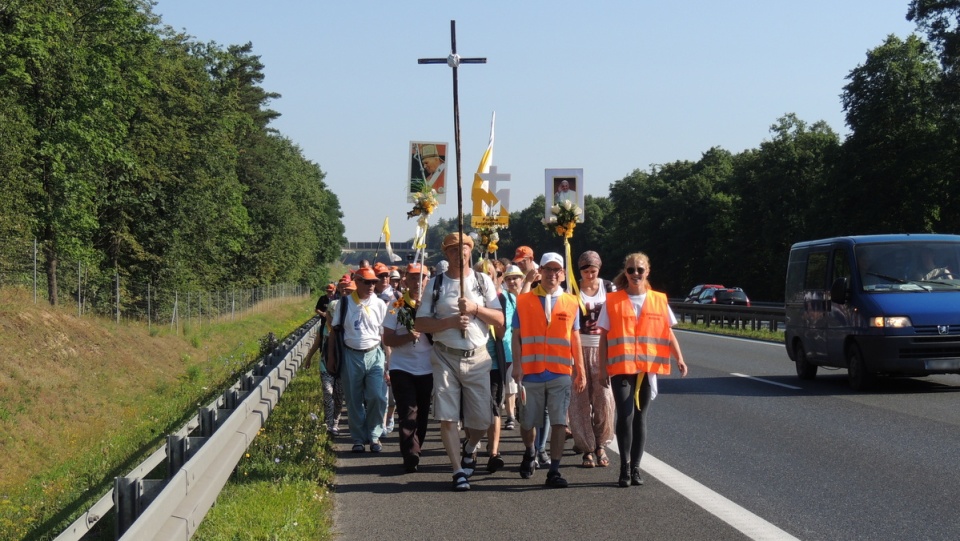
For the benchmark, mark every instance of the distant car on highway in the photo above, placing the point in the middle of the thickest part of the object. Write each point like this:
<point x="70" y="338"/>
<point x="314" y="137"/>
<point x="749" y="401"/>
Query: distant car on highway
<point x="698" y="289"/>
<point x="724" y="295"/>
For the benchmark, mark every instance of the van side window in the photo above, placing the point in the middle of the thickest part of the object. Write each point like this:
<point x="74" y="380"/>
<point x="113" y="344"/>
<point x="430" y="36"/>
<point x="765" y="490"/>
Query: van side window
<point x="841" y="266"/>
<point x="816" y="278"/>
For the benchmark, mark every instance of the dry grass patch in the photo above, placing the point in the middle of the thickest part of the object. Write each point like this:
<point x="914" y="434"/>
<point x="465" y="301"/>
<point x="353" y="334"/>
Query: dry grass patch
<point x="80" y="397"/>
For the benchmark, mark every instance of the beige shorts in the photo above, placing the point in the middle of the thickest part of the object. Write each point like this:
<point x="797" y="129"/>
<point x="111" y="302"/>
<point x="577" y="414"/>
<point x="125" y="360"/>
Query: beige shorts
<point x="466" y="378"/>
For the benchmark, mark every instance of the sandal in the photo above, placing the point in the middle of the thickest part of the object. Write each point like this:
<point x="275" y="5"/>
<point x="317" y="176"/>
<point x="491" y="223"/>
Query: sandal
<point x="460" y="483"/>
<point x="588" y="461"/>
<point x="602" y="459"/>
<point x="357" y="448"/>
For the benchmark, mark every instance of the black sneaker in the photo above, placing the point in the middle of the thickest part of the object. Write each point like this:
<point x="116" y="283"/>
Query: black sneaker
<point x="624" y="480"/>
<point x="527" y="466"/>
<point x="468" y="462"/>
<point x="411" y="463"/>
<point x="635" y="478"/>
<point x="555" y="480"/>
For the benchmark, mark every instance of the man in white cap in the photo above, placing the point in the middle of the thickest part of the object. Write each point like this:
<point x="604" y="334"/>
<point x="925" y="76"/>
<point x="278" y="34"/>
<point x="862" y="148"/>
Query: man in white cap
<point x="546" y="346"/>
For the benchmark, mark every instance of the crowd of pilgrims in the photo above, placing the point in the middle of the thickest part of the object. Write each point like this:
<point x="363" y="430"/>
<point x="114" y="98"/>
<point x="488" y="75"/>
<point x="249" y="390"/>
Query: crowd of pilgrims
<point x="507" y="344"/>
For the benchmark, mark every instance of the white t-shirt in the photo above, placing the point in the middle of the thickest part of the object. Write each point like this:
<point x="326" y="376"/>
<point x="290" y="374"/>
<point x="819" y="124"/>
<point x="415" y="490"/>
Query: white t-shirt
<point x="448" y="305"/>
<point x="413" y="358"/>
<point x="589" y="332"/>
<point x="364" y="323"/>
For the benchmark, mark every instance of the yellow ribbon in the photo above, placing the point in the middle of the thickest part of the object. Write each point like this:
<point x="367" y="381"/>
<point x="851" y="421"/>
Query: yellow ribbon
<point x="356" y="299"/>
<point x="636" y="392"/>
<point x="572" y="288"/>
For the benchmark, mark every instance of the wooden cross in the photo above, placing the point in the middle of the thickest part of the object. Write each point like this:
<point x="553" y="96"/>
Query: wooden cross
<point x="454" y="60"/>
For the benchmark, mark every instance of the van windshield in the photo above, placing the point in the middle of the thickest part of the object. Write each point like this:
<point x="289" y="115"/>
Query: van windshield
<point x="909" y="266"/>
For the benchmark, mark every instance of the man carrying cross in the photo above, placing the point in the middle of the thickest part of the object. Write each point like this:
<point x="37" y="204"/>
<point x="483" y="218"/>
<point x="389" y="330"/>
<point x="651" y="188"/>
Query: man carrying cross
<point x="460" y="326"/>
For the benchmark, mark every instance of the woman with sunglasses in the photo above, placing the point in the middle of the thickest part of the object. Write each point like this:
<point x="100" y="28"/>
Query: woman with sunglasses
<point x="636" y="344"/>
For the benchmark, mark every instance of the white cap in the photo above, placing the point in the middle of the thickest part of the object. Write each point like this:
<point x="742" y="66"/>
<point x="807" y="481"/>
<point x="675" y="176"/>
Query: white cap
<point x="442" y="266"/>
<point x="394" y="274"/>
<point x="551" y="257"/>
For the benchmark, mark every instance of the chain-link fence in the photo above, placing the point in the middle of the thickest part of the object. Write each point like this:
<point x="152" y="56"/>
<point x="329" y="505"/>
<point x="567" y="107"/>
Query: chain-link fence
<point x="84" y="287"/>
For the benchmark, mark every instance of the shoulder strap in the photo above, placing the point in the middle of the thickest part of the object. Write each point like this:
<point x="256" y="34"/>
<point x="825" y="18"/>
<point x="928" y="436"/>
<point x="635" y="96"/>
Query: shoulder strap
<point x="343" y="310"/>
<point x="436" y="294"/>
<point x="481" y="285"/>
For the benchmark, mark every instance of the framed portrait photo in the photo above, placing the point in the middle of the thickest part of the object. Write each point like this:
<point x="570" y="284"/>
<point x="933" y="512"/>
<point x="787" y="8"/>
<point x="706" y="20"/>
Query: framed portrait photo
<point x="563" y="185"/>
<point x="428" y="169"/>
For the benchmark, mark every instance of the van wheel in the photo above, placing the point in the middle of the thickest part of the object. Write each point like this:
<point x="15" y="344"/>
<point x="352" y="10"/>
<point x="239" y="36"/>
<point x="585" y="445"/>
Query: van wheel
<point x="860" y="378"/>
<point x="805" y="369"/>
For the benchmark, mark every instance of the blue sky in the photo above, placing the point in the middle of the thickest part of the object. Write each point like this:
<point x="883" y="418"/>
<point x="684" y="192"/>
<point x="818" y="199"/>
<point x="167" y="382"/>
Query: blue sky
<point x="606" y="86"/>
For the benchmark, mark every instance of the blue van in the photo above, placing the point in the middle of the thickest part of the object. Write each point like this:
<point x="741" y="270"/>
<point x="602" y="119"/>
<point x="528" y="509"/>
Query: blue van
<point x="877" y="304"/>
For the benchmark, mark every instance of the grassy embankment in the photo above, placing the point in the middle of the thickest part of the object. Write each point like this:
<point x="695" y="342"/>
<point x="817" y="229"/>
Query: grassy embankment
<point x="84" y="399"/>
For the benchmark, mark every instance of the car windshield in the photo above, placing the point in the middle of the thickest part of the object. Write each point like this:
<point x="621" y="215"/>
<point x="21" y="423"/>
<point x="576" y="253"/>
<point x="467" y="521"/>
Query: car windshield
<point x="731" y="295"/>
<point x="909" y="266"/>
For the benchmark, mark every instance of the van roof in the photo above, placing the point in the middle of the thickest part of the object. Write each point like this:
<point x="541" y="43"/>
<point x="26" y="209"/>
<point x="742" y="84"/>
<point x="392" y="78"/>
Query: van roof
<point x="879" y="239"/>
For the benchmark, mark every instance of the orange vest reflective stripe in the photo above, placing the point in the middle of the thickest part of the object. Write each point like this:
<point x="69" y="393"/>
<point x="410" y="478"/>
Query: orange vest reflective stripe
<point x="542" y="346"/>
<point x="638" y="346"/>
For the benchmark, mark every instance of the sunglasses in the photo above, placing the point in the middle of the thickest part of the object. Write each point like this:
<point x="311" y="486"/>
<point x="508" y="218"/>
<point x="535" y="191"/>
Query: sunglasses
<point x="553" y="270"/>
<point x="370" y="282"/>
<point x="636" y="270"/>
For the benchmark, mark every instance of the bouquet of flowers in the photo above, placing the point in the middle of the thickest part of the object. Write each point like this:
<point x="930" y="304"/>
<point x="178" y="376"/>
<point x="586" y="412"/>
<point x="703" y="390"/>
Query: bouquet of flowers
<point x="486" y="238"/>
<point x="425" y="201"/>
<point x="563" y="219"/>
<point x="406" y="310"/>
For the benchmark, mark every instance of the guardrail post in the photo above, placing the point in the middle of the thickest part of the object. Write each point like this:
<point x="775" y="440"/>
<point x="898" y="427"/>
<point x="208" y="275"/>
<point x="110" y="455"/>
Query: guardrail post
<point x="208" y="420"/>
<point x="176" y="453"/>
<point x="125" y="495"/>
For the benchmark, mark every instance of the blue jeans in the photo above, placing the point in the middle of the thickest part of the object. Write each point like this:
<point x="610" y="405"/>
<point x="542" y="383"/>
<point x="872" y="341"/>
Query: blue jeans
<point x="363" y="389"/>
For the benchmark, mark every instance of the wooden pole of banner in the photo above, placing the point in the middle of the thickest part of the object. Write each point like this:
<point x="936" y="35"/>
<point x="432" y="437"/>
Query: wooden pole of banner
<point x="454" y="61"/>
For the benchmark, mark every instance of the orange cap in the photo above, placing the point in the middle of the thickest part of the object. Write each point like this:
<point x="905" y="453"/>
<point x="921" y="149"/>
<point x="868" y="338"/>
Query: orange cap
<point x="366" y="273"/>
<point x="523" y="252"/>
<point x="380" y="268"/>
<point x="414" y="268"/>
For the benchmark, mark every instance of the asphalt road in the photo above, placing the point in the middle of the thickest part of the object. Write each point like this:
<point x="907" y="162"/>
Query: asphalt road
<point x="740" y="449"/>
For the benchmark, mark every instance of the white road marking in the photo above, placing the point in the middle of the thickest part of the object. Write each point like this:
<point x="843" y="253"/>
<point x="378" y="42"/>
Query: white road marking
<point x="795" y="388"/>
<point x="742" y="520"/>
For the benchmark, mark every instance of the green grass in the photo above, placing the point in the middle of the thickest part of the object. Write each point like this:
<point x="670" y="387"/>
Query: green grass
<point x="77" y="456"/>
<point x="768" y="336"/>
<point x="281" y="488"/>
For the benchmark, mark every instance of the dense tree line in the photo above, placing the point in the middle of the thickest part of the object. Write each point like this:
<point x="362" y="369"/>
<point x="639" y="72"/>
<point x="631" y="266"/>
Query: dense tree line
<point x="140" y="151"/>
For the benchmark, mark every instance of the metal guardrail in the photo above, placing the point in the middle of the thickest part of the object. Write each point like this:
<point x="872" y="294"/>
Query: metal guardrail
<point x="200" y="456"/>
<point x="770" y="317"/>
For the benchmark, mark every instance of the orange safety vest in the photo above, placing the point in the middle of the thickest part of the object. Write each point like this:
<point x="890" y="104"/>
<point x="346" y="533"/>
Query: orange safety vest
<point x="638" y="346"/>
<point x="542" y="346"/>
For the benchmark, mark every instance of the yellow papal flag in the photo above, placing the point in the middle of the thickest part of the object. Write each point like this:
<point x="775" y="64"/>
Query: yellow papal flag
<point x="386" y="240"/>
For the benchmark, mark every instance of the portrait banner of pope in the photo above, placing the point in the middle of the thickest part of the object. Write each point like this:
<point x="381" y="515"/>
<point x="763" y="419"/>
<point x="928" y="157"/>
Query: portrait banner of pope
<point x="428" y="169"/>
<point x="563" y="185"/>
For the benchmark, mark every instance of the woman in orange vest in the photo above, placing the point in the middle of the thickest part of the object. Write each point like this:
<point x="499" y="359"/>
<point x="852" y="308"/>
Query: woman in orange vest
<point x="636" y="344"/>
